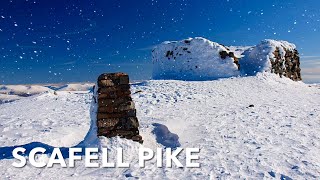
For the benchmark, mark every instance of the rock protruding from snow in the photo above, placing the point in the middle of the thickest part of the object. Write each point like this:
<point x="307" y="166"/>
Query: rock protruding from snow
<point x="193" y="59"/>
<point x="201" y="59"/>
<point x="279" y="57"/>
<point x="116" y="114"/>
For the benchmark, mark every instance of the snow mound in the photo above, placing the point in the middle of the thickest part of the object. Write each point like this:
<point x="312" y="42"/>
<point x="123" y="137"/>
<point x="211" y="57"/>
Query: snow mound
<point x="192" y="59"/>
<point x="258" y="58"/>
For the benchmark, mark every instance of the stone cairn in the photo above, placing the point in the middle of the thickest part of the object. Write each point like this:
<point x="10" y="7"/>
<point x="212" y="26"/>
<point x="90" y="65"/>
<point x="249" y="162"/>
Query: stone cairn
<point x="287" y="66"/>
<point x="116" y="114"/>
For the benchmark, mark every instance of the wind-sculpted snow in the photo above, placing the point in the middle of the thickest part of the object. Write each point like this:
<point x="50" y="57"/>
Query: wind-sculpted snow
<point x="192" y="59"/>
<point x="253" y="127"/>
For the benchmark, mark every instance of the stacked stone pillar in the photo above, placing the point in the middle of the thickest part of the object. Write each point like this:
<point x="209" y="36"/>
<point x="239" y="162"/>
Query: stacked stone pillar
<point x="116" y="114"/>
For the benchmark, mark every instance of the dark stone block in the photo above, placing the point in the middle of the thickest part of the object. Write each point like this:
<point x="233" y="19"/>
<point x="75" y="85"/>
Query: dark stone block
<point x="129" y="113"/>
<point x="116" y="114"/>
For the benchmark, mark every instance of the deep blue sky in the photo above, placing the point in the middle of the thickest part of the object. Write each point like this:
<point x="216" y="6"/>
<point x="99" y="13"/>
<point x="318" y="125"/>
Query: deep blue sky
<point x="71" y="41"/>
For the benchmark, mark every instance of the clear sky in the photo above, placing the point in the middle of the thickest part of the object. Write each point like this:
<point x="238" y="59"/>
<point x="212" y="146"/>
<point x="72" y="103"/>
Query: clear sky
<point x="44" y="41"/>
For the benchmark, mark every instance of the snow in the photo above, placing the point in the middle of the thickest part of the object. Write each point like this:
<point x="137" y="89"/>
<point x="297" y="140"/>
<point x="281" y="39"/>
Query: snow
<point x="77" y="87"/>
<point x="191" y="59"/>
<point x="22" y="90"/>
<point x="9" y="93"/>
<point x="42" y="118"/>
<point x="199" y="59"/>
<point x="279" y="136"/>
<point x="5" y="98"/>
<point x="257" y="59"/>
<point x="238" y="50"/>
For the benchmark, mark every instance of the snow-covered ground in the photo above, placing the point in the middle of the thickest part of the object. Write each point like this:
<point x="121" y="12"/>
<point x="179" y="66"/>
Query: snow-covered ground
<point x="10" y="93"/>
<point x="256" y="127"/>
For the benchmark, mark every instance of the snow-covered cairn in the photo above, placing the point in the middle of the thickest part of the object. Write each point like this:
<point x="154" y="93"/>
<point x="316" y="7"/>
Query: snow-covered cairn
<point x="116" y="113"/>
<point x="201" y="59"/>
<point x="193" y="59"/>
<point x="280" y="57"/>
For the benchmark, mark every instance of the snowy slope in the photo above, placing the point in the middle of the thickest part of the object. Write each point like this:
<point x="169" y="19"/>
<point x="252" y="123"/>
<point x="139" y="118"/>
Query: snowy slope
<point x="278" y="137"/>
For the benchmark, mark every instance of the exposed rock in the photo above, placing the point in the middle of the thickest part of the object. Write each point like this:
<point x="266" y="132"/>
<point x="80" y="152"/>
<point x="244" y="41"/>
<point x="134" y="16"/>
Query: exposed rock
<point x="287" y="65"/>
<point x="225" y="54"/>
<point x="137" y="138"/>
<point x="279" y="57"/>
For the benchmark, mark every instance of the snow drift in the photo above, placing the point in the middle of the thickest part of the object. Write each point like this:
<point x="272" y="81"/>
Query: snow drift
<point x="201" y="59"/>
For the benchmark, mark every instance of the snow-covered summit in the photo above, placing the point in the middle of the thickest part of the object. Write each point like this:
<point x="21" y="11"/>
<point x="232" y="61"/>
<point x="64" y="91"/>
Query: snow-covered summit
<point x="192" y="59"/>
<point x="201" y="59"/>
